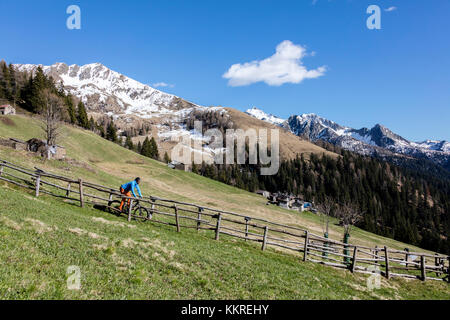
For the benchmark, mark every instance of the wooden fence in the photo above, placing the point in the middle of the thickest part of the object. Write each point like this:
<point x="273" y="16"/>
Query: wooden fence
<point x="311" y="247"/>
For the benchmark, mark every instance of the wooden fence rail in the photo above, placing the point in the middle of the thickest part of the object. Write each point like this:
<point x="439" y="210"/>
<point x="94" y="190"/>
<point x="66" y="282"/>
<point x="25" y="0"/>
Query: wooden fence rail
<point x="315" y="248"/>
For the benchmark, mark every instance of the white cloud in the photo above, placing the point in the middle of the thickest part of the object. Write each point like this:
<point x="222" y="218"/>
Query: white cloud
<point x="390" y="9"/>
<point x="285" y="66"/>
<point x="162" y="84"/>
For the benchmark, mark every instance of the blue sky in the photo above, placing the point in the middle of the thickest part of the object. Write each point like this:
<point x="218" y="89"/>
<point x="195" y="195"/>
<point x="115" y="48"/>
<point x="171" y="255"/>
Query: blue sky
<point x="398" y="76"/>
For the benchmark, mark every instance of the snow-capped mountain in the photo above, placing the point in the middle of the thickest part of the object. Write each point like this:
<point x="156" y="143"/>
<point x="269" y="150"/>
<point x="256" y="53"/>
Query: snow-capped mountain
<point x="377" y="140"/>
<point x="109" y="92"/>
<point x="261" y="115"/>
<point x="443" y="145"/>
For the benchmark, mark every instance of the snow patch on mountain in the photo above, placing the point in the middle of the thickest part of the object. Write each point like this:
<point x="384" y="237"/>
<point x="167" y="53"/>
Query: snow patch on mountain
<point x="364" y="141"/>
<point x="261" y="115"/>
<point x="102" y="88"/>
<point x="443" y="145"/>
<point x="107" y="92"/>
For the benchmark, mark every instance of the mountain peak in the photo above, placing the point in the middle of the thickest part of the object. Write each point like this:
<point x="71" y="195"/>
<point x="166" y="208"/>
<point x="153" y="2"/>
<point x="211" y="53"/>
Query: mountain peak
<point x="261" y="115"/>
<point x="364" y="141"/>
<point x="310" y="115"/>
<point x="109" y="92"/>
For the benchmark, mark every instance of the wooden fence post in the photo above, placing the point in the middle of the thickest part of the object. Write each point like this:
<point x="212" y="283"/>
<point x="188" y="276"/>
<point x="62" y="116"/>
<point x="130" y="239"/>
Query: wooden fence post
<point x="130" y="207"/>
<point x="437" y="264"/>
<point x="266" y="230"/>
<point x="80" y="184"/>
<point x="38" y="184"/>
<point x="355" y="250"/>
<point x="406" y="259"/>
<point x="422" y="268"/>
<point x="199" y="217"/>
<point x="386" y="259"/>
<point x="1" y="169"/>
<point x="176" y="218"/>
<point x="448" y="269"/>
<point x="68" y="190"/>
<point x="247" y="219"/>
<point x="376" y="254"/>
<point x="219" y="219"/>
<point x="110" y="199"/>
<point x="305" y="255"/>
<point x="152" y="210"/>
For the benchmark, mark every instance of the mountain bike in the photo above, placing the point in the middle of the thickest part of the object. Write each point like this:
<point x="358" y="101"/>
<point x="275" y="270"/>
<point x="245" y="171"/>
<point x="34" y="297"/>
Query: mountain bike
<point x="140" y="213"/>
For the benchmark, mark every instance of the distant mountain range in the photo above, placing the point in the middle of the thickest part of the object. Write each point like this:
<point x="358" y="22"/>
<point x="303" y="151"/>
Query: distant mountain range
<point x="109" y="93"/>
<point x="378" y="140"/>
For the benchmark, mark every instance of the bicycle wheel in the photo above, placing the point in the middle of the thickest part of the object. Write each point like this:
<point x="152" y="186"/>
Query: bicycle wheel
<point x="114" y="207"/>
<point x="141" y="213"/>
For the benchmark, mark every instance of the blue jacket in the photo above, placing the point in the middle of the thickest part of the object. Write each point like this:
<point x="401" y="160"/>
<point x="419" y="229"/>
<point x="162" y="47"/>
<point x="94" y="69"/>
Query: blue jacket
<point x="130" y="186"/>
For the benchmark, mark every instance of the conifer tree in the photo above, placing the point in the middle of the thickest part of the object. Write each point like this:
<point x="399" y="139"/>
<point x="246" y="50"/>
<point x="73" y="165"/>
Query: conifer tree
<point x="13" y="84"/>
<point x="25" y="94"/>
<point x="91" y="124"/>
<point x="82" y="116"/>
<point x="71" y="109"/>
<point x="3" y="85"/>
<point x="38" y="85"/>
<point x="129" y="143"/>
<point x="101" y="129"/>
<point x="154" y="148"/>
<point x="5" y="89"/>
<point x="166" y="158"/>
<point x="146" y="149"/>
<point x="111" y="131"/>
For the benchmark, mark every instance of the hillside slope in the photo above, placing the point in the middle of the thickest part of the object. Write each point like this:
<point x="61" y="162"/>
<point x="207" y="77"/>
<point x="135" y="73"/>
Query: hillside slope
<point x="152" y="261"/>
<point x="41" y="238"/>
<point x="290" y="144"/>
<point x="96" y="159"/>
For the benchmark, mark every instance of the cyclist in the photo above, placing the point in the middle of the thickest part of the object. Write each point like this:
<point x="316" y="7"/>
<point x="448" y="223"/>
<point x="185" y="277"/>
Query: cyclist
<point x="127" y="189"/>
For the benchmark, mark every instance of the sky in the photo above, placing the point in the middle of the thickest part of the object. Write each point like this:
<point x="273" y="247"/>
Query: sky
<point x="285" y="57"/>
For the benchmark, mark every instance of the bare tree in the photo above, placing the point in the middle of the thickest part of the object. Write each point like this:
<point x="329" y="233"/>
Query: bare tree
<point x="52" y="114"/>
<point x="326" y="207"/>
<point x="349" y="214"/>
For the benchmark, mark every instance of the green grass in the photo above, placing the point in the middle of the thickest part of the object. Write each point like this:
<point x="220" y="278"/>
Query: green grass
<point x="97" y="160"/>
<point x="153" y="261"/>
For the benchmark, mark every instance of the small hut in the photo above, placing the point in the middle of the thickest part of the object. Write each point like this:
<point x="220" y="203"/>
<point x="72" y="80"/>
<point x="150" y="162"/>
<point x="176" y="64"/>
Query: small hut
<point x="14" y="143"/>
<point x="7" y="109"/>
<point x="50" y="152"/>
<point x="297" y="205"/>
<point x="36" y="145"/>
<point x="179" y="166"/>
<point x="265" y="194"/>
<point x="284" y="202"/>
